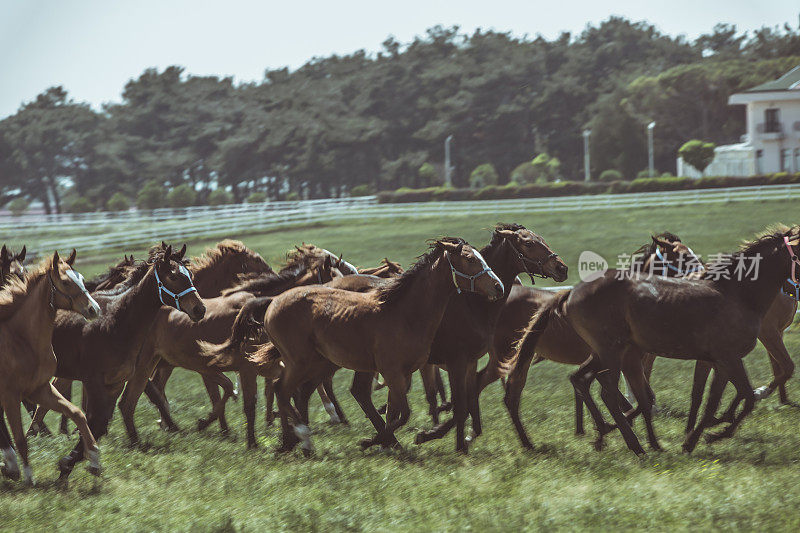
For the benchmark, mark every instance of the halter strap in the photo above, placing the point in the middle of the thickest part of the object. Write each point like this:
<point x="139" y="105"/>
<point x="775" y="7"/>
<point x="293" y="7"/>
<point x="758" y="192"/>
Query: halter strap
<point x="672" y="267"/>
<point x="471" y="278"/>
<point x="176" y="297"/>
<point x="524" y="261"/>
<point x="796" y="294"/>
<point x="794" y="258"/>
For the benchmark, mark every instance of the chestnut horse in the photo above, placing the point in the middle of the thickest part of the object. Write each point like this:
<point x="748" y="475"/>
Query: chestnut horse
<point x="317" y="329"/>
<point x="176" y="340"/>
<point x="102" y="353"/>
<point x="715" y="320"/>
<point x="27" y="362"/>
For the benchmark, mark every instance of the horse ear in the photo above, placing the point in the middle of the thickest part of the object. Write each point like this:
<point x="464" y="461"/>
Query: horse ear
<point x="21" y="254"/>
<point x="167" y="253"/>
<point x="180" y="254"/>
<point x="3" y="252"/>
<point x="71" y="258"/>
<point x="661" y="242"/>
<point x="56" y="259"/>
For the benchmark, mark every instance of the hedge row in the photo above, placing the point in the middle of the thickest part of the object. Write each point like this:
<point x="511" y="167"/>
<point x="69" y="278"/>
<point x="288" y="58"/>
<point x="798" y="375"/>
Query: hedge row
<point x="573" y="188"/>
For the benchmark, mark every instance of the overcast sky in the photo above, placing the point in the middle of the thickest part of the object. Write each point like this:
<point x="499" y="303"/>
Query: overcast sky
<point x="94" y="47"/>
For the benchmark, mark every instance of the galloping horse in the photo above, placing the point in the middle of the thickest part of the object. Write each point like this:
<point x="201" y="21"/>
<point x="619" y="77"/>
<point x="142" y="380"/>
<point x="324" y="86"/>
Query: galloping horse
<point x="714" y="320"/>
<point x="102" y="353"/>
<point x="316" y="329"/>
<point x="27" y="362"/>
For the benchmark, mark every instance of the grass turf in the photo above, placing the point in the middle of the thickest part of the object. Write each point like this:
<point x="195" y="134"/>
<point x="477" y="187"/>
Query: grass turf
<point x="203" y="481"/>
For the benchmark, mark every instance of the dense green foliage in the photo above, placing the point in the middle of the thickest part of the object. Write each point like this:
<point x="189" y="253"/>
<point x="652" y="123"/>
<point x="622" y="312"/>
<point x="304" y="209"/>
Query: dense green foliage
<point x="611" y="175"/>
<point x="697" y="153"/>
<point x="206" y="482"/>
<point x="118" y="202"/>
<point x="219" y="197"/>
<point x="18" y="205"/>
<point x="342" y="121"/>
<point x="483" y="176"/>
<point x="151" y="196"/>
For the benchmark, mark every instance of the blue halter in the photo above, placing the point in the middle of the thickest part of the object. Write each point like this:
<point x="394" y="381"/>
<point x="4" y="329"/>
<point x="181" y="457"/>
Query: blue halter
<point x="471" y="278"/>
<point x="176" y="297"/>
<point x="672" y="267"/>
<point x="796" y="285"/>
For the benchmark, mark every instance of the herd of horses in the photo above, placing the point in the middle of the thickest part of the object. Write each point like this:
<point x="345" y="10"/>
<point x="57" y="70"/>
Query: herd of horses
<point x="122" y="334"/>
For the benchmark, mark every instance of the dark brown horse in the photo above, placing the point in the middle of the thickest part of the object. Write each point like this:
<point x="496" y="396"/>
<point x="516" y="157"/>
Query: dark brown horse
<point x="390" y="331"/>
<point x="11" y="264"/>
<point x="715" y="320"/>
<point x="27" y="363"/>
<point x="102" y="354"/>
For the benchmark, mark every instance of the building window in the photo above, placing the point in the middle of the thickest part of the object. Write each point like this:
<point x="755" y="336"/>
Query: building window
<point x="759" y="161"/>
<point x="785" y="160"/>
<point x="771" y="120"/>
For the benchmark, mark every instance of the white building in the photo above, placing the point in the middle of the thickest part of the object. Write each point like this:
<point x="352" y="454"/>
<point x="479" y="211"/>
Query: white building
<point x="772" y="141"/>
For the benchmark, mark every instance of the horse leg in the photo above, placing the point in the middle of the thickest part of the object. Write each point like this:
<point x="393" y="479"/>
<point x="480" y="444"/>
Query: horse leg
<point x="718" y="383"/>
<point x="473" y="403"/>
<point x="64" y="386"/>
<point x="399" y="410"/>
<point x="248" y="377"/>
<point x="11" y="406"/>
<point x="157" y="398"/>
<point x="49" y="396"/>
<point x="331" y="404"/>
<point x="635" y="377"/>
<point x="361" y="389"/>
<point x="212" y="389"/>
<point x="744" y="390"/>
<point x="269" y="398"/>
<point x="782" y="365"/>
<point x="302" y="396"/>
<point x="440" y="388"/>
<point x="10" y="468"/>
<point x="609" y="381"/>
<point x="293" y="430"/>
<point x="581" y="382"/>
<point x="701" y="371"/>
<point x="428" y="374"/>
<point x="514" y="385"/>
<point x="133" y="391"/>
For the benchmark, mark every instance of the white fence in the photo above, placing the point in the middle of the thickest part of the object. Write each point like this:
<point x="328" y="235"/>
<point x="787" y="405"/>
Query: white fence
<point x="102" y="230"/>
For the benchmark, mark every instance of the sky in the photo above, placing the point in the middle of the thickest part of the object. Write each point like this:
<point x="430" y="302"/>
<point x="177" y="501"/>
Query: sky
<point x="93" y="47"/>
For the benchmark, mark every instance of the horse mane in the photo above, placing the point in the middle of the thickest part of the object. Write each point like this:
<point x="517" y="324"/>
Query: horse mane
<point x="214" y="255"/>
<point x="157" y="252"/>
<point x="649" y="248"/>
<point x="298" y="261"/>
<point x="123" y="267"/>
<point x="765" y="243"/>
<point x="133" y="275"/>
<point x="497" y="239"/>
<point x="397" y="286"/>
<point x="13" y="294"/>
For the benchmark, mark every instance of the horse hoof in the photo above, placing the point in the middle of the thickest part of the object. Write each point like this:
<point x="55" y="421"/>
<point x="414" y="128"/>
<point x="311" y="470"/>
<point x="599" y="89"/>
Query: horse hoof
<point x="9" y="473"/>
<point x="599" y="444"/>
<point x="95" y="470"/>
<point x="762" y="392"/>
<point x="366" y="443"/>
<point x="382" y="410"/>
<point x="202" y="424"/>
<point x="421" y="437"/>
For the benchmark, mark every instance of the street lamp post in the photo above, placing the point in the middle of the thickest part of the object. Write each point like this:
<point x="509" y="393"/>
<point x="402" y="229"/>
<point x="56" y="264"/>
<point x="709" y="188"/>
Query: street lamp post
<point x="447" y="168"/>
<point x="650" y="165"/>
<point x="586" y="163"/>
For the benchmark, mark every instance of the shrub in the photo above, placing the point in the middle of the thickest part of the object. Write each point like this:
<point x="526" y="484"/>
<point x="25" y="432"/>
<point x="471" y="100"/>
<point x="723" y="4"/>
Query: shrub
<point x="78" y="204"/>
<point x="256" y="197"/>
<point x="611" y="175"/>
<point x="697" y="153"/>
<point x="361" y="190"/>
<point x="292" y="196"/>
<point x="118" y="202"/>
<point x="17" y="206"/>
<point x="220" y="197"/>
<point x="151" y="195"/>
<point x="482" y="176"/>
<point x="646" y="173"/>
<point x="523" y="174"/>
<point x="427" y="175"/>
<point x="182" y="196"/>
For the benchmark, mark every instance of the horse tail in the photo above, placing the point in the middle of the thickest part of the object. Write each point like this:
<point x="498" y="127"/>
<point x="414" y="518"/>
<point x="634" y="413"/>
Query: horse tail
<point x="246" y="327"/>
<point x="267" y="360"/>
<point x="526" y="346"/>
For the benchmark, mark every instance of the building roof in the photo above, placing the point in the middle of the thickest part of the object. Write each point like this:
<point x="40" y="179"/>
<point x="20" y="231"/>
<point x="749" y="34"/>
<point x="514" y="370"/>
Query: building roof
<point x="788" y="82"/>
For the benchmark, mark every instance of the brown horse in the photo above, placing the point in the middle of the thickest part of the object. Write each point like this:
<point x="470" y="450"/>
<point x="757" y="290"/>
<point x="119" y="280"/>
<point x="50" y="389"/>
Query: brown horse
<point x="390" y="331"/>
<point x="11" y="264"/>
<point x="102" y="354"/>
<point x="714" y="320"/>
<point x="559" y="342"/>
<point x="27" y="362"/>
<point x="176" y="340"/>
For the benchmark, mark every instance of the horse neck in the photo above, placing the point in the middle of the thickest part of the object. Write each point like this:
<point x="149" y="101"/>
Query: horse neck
<point x="773" y="270"/>
<point x="505" y="263"/>
<point x="35" y="314"/>
<point x="425" y="299"/>
<point x="136" y="308"/>
<point x="212" y="279"/>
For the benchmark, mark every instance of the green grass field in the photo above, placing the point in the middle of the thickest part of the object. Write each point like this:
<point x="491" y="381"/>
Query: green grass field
<point x="207" y="482"/>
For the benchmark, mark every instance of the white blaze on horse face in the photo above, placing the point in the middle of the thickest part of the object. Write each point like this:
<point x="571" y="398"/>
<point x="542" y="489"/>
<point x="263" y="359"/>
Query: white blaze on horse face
<point x="77" y="279"/>
<point x="485" y="266"/>
<point x="10" y="458"/>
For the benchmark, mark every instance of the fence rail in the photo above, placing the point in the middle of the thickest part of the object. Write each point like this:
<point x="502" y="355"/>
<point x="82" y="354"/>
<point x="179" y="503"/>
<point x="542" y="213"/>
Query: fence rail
<point x="99" y="230"/>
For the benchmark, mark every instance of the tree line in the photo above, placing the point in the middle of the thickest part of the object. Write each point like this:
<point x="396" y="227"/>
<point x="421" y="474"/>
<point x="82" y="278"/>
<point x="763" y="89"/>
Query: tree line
<point x="515" y="106"/>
